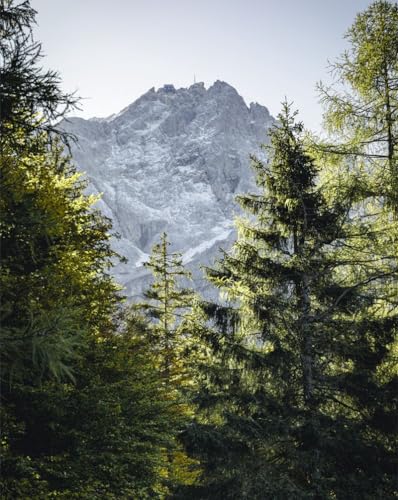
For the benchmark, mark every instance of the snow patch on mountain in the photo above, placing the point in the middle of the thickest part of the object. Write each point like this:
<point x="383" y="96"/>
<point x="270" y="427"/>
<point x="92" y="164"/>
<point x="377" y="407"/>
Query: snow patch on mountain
<point x="221" y="235"/>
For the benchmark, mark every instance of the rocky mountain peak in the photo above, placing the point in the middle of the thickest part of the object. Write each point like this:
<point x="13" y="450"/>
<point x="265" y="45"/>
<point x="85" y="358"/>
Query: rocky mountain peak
<point x="172" y="161"/>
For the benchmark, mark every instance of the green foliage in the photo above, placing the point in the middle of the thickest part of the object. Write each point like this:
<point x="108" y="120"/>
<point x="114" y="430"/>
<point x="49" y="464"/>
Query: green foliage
<point x="55" y="254"/>
<point x="363" y="121"/>
<point x="55" y="250"/>
<point x="361" y="109"/>
<point x="286" y="389"/>
<point x="164" y="307"/>
<point x="166" y="311"/>
<point x="84" y="412"/>
<point x="103" y="437"/>
<point x="27" y="92"/>
<point x="291" y="385"/>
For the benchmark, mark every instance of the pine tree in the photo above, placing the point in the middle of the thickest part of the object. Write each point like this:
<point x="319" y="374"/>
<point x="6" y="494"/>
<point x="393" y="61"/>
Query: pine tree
<point x="55" y="256"/>
<point x="284" y="398"/>
<point x="102" y="437"/>
<point x="30" y="98"/>
<point x="165" y="308"/>
<point x="83" y="411"/>
<point x="361" y="115"/>
<point x="362" y="107"/>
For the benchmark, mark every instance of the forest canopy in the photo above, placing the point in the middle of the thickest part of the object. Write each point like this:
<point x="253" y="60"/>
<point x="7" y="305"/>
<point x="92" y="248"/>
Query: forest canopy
<point x="285" y="387"/>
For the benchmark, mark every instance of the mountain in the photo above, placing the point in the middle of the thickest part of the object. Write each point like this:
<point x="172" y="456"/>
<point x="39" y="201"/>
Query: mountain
<point x="172" y="161"/>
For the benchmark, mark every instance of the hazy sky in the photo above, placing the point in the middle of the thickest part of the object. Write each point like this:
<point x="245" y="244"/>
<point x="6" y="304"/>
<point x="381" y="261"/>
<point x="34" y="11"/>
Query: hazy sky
<point x="112" y="51"/>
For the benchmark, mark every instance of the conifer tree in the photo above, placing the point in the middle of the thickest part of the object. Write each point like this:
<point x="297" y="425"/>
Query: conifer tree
<point x="54" y="248"/>
<point x="361" y="109"/>
<point x="30" y="97"/>
<point x="164" y="310"/>
<point x="284" y="398"/>
<point x="55" y="256"/>
<point x="361" y="116"/>
<point x="84" y="413"/>
<point x="165" y="304"/>
<point x="101" y="437"/>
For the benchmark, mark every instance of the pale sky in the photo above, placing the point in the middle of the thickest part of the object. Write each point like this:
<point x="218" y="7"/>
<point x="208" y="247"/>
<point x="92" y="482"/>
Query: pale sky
<point x="112" y="51"/>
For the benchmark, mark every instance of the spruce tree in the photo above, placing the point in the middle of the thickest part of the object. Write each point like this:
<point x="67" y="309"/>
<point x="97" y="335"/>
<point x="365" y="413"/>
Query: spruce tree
<point x="30" y="97"/>
<point x="84" y="413"/>
<point x="164" y="309"/>
<point x="55" y="257"/>
<point x="284" y="399"/>
<point x="164" y="306"/>
<point x="45" y="215"/>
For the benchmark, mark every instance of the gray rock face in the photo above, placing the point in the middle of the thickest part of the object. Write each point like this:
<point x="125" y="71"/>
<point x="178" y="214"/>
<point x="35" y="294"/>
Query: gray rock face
<point x="172" y="161"/>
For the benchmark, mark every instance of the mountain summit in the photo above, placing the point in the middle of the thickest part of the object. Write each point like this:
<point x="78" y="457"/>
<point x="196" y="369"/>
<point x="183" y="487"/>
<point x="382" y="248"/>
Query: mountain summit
<point x="172" y="161"/>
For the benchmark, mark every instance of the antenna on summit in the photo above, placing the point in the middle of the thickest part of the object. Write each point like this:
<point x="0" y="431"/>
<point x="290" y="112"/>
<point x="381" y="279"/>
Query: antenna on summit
<point x="194" y="78"/>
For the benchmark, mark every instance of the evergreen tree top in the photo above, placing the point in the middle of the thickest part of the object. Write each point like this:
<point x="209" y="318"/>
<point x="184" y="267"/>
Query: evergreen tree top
<point x="30" y="98"/>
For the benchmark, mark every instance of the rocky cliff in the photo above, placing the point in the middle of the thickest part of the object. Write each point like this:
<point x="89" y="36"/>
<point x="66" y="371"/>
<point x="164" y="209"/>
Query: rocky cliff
<point x="172" y="161"/>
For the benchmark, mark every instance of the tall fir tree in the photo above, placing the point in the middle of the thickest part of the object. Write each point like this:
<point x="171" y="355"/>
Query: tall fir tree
<point x="284" y="398"/>
<point x="84" y="413"/>
<point x="164" y="306"/>
<point x="164" y="309"/>
<point x="31" y="98"/>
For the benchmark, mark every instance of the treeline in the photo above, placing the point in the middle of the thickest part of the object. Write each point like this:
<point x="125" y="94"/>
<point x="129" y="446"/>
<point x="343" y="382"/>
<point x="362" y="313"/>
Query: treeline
<point x="287" y="388"/>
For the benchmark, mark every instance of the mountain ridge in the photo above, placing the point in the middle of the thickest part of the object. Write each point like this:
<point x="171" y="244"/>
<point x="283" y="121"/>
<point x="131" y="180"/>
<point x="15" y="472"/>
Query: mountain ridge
<point x="173" y="161"/>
